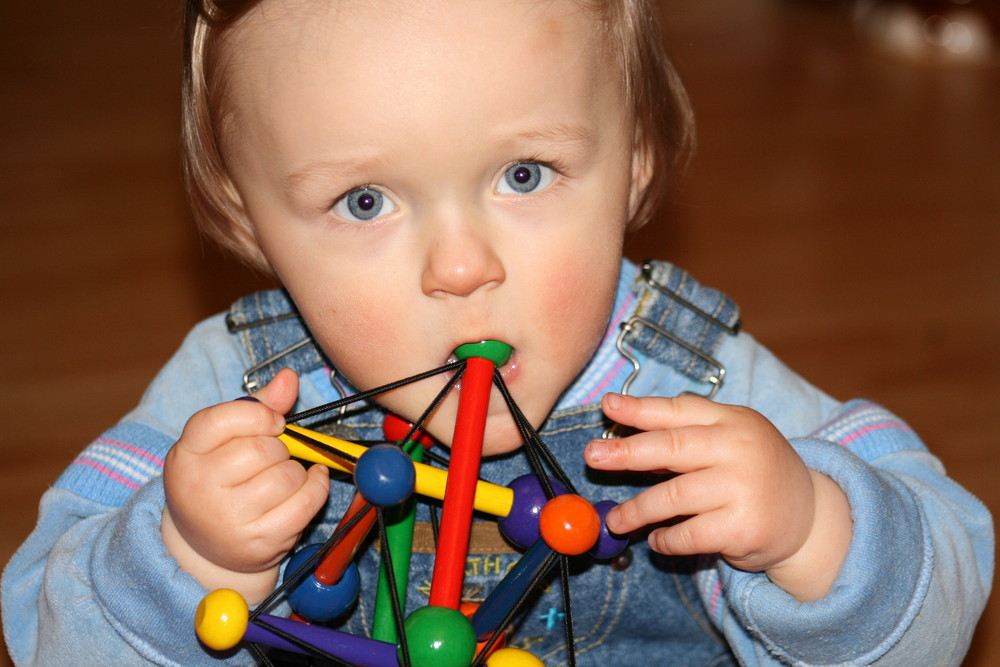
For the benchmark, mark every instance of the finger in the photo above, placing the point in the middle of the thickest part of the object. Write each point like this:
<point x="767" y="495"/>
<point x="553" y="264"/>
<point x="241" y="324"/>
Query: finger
<point x="684" y="449"/>
<point x="659" y="412"/>
<point x="212" y="427"/>
<point x="281" y="392"/>
<point x="269" y="488"/>
<point x="684" y="495"/>
<point x="241" y="459"/>
<point x="294" y="512"/>
<point x="699" y="534"/>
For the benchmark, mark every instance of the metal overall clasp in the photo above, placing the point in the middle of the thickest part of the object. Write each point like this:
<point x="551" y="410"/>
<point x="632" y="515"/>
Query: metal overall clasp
<point x="250" y="384"/>
<point x="714" y="380"/>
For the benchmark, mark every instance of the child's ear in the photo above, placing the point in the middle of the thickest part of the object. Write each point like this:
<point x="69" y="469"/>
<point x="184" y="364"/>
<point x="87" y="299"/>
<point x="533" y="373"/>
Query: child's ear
<point x="642" y="174"/>
<point x="243" y="239"/>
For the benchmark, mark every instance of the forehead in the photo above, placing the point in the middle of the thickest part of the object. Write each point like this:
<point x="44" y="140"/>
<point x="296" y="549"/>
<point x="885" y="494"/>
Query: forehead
<point x="415" y="55"/>
<point x="373" y="21"/>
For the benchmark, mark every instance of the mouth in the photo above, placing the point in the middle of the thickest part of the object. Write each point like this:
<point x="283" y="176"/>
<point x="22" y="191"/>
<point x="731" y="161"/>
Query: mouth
<point x="503" y="356"/>
<point x="493" y="350"/>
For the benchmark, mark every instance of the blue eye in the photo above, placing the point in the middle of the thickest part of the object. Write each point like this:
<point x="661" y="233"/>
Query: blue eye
<point x="363" y="205"/>
<point x="524" y="178"/>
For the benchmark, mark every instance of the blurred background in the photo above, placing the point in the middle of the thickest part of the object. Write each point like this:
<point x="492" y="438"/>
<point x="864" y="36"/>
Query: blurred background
<point x="846" y="192"/>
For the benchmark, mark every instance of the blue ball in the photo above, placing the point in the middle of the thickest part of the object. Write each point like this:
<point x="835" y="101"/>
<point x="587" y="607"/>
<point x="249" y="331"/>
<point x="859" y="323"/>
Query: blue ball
<point x="385" y="475"/>
<point x="316" y="601"/>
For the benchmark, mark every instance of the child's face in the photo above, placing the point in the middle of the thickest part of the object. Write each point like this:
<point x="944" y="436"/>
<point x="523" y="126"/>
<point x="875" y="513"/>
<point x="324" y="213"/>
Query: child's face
<point x="423" y="175"/>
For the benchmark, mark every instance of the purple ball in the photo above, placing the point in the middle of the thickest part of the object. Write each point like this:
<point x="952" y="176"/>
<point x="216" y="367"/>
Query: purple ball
<point x="520" y="526"/>
<point x="608" y="544"/>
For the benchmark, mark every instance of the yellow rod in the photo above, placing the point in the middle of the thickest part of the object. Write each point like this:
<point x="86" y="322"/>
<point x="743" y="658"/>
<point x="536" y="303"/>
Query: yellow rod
<point x="490" y="498"/>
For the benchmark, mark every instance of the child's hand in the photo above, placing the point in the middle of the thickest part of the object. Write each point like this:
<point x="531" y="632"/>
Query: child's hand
<point x="236" y="502"/>
<point x="741" y="489"/>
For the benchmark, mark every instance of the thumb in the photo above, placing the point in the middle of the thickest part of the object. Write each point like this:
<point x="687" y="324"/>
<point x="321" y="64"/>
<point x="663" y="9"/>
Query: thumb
<point x="280" y="393"/>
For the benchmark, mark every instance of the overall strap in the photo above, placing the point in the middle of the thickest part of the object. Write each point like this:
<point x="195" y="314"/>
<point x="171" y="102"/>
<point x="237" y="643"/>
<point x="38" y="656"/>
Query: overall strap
<point x="274" y="335"/>
<point x="678" y="322"/>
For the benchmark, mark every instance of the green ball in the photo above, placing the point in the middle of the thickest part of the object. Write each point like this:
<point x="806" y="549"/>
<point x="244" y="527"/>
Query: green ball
<point x="439" y="637"/>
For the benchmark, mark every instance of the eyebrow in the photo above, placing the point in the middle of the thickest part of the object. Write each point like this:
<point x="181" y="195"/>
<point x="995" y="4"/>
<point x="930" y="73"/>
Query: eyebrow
<point x="572" y="135"/>
<point x="325" y="170"/>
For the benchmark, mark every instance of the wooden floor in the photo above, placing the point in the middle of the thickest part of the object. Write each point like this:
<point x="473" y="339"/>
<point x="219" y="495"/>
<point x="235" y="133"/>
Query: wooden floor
<point x="850" y="202"/>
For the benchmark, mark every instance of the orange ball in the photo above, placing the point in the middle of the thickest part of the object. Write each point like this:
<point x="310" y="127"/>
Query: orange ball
<point x="569" y="524"/>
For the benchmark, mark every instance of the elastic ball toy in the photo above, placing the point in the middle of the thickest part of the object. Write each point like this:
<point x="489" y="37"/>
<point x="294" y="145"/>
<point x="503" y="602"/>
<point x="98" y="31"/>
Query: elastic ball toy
<point x="384" y="475"/>
<point x="520" y="526"/>
<point x="439" y="637"/>
<point x="316" y="601"/>
<point x="569" y="525"/>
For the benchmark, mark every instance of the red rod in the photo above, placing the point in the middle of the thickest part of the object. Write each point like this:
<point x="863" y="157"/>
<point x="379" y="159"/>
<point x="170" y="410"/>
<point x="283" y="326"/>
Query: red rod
<point x="460" y="489"/>
<point x="336" y="560"/>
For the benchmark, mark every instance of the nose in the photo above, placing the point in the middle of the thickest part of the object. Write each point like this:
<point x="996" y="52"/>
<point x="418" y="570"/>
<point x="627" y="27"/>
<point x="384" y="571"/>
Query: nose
<point x="461" y="259"/>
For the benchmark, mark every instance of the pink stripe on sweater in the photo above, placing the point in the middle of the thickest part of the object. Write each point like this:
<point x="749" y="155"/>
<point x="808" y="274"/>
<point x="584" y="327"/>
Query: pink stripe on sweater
<point x="873" y="427"/>
<point x="713" y="607"/>
<point x="845" y="416"/>
<point x="612" y="329"/>
<point x="107" y="471"/>
<point x="132" y="448"/>
<point x="599" y="389"/>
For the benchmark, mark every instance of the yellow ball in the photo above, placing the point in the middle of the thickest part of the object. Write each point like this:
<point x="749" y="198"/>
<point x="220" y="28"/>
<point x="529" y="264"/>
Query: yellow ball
<point x="513" y="657"/>
<point x="221" y="619"/>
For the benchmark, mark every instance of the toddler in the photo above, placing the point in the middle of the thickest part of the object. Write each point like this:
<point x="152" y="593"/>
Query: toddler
<point x="421" y="175"/>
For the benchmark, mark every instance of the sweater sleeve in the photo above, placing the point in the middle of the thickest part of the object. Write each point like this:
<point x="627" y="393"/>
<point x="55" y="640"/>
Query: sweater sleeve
<point x="917" y="574"/>
<point x="94" y="578"/>
<point x="920" y="564"/>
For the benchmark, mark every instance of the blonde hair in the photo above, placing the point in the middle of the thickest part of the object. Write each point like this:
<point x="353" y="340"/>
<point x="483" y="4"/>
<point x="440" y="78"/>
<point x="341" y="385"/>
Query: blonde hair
<point x="664" y="124"/>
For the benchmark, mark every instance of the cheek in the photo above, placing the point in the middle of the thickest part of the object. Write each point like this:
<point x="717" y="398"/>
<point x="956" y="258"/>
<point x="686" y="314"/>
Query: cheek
<point x="580" y="287"/>
<point x="348" y="305"/>
<point x="353" y="330"/>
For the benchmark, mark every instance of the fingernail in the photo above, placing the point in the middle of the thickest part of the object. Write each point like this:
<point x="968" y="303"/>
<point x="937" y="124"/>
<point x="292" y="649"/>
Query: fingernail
<point x="614" y="400"/>
<point x="611" y="520"/>
<point x="597" y="451"/>
<point x="248" y="398"/>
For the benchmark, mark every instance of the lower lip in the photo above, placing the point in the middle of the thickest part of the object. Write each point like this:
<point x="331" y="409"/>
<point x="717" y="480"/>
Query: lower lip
<point x="508" y="372"/>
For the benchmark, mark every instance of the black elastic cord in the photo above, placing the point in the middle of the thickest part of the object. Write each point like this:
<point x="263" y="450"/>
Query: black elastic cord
<point x="354" y="398"/>
<point x="534" y="462"/>
<point x="441" y="395"/>
<point x="533" y="443"/>
<point x="567" y="611"/>
<point x="329" y="449"/>
<point x="259" y="655"/>
<point x="397" y="611"/>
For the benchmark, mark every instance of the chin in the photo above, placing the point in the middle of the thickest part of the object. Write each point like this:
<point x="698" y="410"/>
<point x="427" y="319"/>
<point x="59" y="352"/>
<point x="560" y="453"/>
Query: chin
<point x="501" y="437"/>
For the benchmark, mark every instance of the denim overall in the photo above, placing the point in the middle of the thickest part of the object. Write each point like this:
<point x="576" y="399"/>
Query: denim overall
<point x="636" y="609"/>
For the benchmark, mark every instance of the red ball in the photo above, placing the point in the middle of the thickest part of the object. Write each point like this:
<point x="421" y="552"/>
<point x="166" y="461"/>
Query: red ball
<point x="569" y="524"/>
